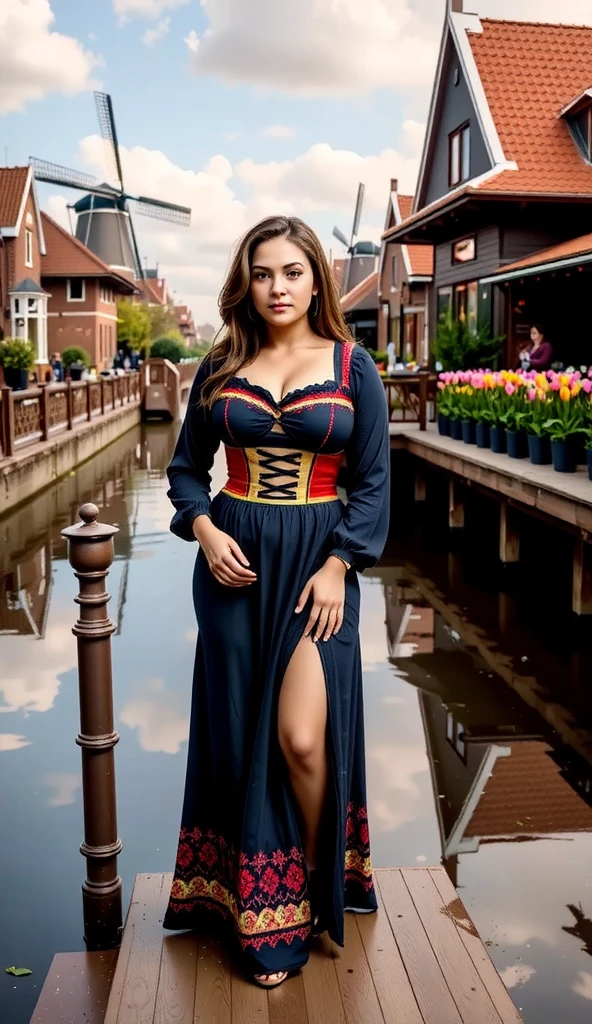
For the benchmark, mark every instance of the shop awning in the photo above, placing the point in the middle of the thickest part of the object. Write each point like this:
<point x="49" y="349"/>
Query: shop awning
<point x="574" y="253"/>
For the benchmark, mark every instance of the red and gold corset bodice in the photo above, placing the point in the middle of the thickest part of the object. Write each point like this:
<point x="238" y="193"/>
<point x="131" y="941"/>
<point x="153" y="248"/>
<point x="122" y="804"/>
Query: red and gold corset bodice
<point x="286" y="452"/>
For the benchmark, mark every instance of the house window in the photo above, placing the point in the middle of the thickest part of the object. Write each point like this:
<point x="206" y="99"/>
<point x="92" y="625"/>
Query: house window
<point x="28" y="248"/>
<point x="466" y="299"/>
<point x="394" y="273"/>
<point x="459" y="155"/>
<point x="465" y="250"/>
<point x="455" y="734"/>
<point x="444" y="300"/>
<point x="76" y="289"/>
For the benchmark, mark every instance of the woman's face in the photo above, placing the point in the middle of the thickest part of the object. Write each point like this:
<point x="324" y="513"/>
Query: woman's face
<point x="535" y="336"/>
<point x="282" y="282"/>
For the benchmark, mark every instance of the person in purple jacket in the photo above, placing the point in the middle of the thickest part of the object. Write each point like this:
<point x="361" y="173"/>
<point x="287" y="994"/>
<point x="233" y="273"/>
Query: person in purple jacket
<point x="539" y="354"/>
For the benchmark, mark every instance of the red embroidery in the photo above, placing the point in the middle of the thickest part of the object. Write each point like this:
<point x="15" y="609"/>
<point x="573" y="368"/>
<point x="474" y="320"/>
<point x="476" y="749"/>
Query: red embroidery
<point x="358" y="865"/>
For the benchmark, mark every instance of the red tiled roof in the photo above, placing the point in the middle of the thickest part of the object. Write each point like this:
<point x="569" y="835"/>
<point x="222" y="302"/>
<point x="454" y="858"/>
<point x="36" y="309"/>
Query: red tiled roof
<point x="405" y="205"/>
<point x="527" y="795"/>
<point x="565" y="250"/>
<point x="421" y="257"/>
<point x="529" y="73"/>
<point x="12" y="186"/>
<point x="361" y="291"/>
<point x="66" y="256"/>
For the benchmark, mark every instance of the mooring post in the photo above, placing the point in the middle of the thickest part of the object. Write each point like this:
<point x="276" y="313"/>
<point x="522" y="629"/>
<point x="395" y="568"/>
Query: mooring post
<point x="91" y="552"/>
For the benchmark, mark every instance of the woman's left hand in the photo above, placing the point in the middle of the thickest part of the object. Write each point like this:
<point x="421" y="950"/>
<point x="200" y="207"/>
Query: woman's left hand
<point x="328" y="592"/>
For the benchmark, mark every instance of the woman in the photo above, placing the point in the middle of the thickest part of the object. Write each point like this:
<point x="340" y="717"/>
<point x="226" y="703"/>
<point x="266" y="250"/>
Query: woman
<point x="539" y="354"/>
<point x="274" y="831"/>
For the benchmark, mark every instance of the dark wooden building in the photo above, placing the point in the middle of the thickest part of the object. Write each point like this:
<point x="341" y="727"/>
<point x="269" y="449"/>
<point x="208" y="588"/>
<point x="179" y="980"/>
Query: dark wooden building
<point x="505" y="185"/>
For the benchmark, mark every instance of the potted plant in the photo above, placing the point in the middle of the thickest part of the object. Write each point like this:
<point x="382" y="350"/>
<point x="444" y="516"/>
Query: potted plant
<point x="467" y="415"/>
<point x="76" y="360"/>
<point x="16" y="358"/>
<point x="513" y="416"/>
<point x="539" y="445"/>
<point x="443" y="407"/>
<point x="588" y="444"/>
<point x="454" y="414"/>
<point x="566" y="423"/>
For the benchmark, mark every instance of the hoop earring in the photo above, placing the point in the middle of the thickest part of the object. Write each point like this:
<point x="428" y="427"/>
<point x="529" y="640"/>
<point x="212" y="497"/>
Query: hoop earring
<point x="315" y="311"/>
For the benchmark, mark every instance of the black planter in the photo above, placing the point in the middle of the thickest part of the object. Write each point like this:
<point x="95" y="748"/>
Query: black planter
<point x="589" y="461"/>
<point x="18" y="380"/>
<point x="539" y="449"/>
<point x="564" y="457"/>
<point x="482" y="435"/>
<point x="497" y="440"/>
<point x="468" y="431"/>
<point x="76" y="372"/>
<point x="443" y="425"/>
<point x="455" y="430"/>
<point x="517" y="442"/>
<point x="577" y="443"/>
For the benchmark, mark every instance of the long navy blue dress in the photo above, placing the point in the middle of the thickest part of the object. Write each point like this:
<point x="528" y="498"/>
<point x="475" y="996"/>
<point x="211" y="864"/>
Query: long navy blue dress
<point x="240" y="852"/>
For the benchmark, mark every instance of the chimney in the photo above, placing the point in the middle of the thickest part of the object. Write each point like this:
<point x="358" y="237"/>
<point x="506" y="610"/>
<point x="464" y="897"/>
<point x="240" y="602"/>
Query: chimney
<point x="456" y="6"/>
<point x="394" y="184"/>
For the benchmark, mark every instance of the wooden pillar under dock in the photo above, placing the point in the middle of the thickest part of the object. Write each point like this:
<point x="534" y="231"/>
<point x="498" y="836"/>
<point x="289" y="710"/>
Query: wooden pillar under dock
<point x="582" y="577"/>
<point x="509" y="536"/>
<point x="420" y="482"/>
<point x="456" y="505"/>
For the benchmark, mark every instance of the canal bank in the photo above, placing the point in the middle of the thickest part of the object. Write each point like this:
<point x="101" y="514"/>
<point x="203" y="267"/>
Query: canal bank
<point x="444" y="631"/>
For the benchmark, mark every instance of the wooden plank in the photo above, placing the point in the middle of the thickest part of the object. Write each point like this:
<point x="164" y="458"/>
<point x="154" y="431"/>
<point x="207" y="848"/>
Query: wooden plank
<point x="355" y="980"/>
<point x="76" y="988"/>
<point x="509" y="536"/>
<point x="212" y="1002"/>
<point x="133" y="996"/>
<point x="249" y="1003"/>
<point x="476" y="950"/>
<point x="456" y="506"/>
<point x="469" y="993"/>
<point x="429" y="985"/>
<point x="420" y="482"/>
<point x="287" y="1003"/>
<point x="582" y="577"/>
<point x="175" y="999"/>
<point x="321" y="988"/>
<point x="393" y="988"/>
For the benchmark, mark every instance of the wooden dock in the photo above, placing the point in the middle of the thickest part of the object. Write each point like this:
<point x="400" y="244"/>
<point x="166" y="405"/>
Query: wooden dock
<point x="419" y="960"/>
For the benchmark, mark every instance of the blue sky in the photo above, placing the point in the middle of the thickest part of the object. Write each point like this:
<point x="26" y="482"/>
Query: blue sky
<point x="237" y="108"/>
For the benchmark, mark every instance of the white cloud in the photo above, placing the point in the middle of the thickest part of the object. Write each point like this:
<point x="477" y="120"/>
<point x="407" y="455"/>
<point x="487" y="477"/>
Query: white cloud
<point x="516" y="974"/>
<point x="568" y="11"/>
<point x="154" y="35"/>
<point x="583" y="986"/>
<point x="12" y="741"/>
<point x="331" y="47"/>
<point x="36" y="60"/>
<point x="278" y="131"/>
<point x="126" y="9"/>
<point x="65" y="786"/>
<point x="192" y="41"/>
<point x="160" y="719"/>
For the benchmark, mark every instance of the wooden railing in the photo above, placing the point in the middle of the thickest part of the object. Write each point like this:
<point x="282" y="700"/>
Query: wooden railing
<point x="408" y="395"/>
<point x="41" y="412"/>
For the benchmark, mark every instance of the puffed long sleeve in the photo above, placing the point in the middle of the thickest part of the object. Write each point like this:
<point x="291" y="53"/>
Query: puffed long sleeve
<point x="189" y="469"/>
<point x="361" y="533"/>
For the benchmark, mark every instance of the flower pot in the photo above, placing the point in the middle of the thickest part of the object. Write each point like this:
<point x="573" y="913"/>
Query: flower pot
<point x="456" y="430"/>
<point x="18" y="380"/>
<point x="517" y="443"/>
<point x="76" y="371"/>
<point x="443" y="425"/>
<point x="482" y="435"/>
<point x="468" y="431"/>
<point x="497" y="440"/>
<point x="564" y="459"/>
<point x="539" y="449"/>
<point x="589" y="461"/>
<point x="577" y="444"/>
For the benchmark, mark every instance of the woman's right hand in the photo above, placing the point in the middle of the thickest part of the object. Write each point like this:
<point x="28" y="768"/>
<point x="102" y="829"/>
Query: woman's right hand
<point x="225" y="558"/>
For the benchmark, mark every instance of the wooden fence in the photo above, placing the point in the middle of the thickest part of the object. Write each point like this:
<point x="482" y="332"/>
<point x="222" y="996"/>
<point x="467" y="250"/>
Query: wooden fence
<point x="46" y="410"/>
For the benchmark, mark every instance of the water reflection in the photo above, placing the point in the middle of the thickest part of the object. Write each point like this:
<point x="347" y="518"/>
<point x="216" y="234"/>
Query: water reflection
<point x="474" y="759"/>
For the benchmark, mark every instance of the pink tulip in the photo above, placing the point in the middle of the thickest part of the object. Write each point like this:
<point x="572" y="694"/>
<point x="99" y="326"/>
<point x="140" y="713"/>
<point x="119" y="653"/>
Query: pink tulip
<point x="510" y="389"/>
<point x="531" y="394"/>
<point x="587" y="385"/>
<point x="555" y="384"/>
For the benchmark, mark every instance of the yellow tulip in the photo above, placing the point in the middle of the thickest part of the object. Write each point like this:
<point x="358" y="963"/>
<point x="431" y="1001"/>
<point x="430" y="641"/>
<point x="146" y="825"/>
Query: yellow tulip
<point x="564" y="394"/>
<point x="564" y="379"/>
<point x="576" y="387"/>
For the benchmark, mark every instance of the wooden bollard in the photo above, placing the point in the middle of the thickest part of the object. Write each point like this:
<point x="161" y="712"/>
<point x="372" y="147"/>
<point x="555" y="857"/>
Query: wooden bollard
<point x="91" y="552"/>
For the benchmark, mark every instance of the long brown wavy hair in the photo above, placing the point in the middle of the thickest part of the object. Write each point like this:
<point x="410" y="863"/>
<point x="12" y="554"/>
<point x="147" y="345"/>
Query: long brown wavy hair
<point x="243" y="331"/>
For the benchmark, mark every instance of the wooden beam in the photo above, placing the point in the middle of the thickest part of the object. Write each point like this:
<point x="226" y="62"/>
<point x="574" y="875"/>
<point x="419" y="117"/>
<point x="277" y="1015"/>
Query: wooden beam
<point x="420" y="482"/>
<point x="582" y="578"/>
<point x="509" y="535"/>
<point x="456" y="505"/>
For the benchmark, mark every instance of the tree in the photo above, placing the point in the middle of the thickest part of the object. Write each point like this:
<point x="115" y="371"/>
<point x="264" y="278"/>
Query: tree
<point x="162" y="321"/>
<point x="457" y="347"/>
<point x="168" y="348"/>
<point x="133" y="324"/>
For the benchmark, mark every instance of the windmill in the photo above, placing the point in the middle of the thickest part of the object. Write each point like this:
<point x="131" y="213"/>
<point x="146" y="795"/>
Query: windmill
<point x="338" y="234"/>
<point x="104" y="222"/>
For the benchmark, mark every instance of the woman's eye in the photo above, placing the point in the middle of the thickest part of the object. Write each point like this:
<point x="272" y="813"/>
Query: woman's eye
<point x="294" y="273"/>
<point x="260" y="275"/>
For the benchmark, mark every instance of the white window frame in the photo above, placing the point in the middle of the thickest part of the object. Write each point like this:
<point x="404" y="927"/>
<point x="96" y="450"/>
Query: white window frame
<point x="69" y="293"/>
<point x="28" y="247"/>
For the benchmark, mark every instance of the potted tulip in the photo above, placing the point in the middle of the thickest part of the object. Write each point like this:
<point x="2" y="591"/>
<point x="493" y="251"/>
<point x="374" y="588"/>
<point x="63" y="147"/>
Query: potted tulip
<point x="539" y="445"/>
<point x="16" y="359"/>
<point x="589" y="454"/>
<point x="76" y="360"/>
<point x="443" y="407"/>
<point x="566" y="424"/>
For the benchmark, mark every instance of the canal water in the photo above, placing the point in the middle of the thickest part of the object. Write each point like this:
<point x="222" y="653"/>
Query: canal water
<point x="478" y="696"/>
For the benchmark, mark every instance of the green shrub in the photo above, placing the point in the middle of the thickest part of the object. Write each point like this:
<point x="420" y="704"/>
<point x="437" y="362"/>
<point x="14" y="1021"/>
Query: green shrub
<point x="16" y="354"/>
<point x="456" y="347"/>
<point x="168" y="348"/>
<point x="73" y="355"/>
